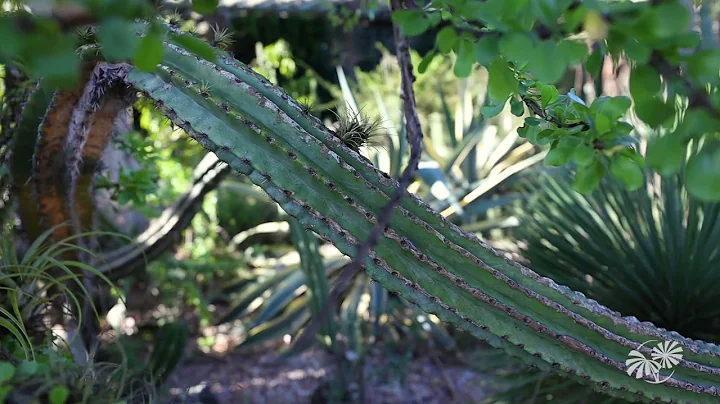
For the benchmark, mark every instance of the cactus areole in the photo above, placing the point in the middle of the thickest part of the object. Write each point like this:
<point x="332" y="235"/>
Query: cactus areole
<point x="261" y="132"/>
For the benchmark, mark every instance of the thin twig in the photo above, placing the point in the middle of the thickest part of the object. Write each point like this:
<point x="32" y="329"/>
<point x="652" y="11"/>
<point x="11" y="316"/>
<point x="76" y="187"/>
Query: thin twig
<point x="414" y="136"/>
<point x="539" y="111"/>
<point x="697" y="97"/>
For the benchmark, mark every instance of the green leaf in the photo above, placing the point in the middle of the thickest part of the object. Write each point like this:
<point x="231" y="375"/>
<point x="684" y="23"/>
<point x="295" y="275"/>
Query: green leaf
<point x="653" y="111"/>
<point x="118" y="39"/>
<point x="594" y="63"/>
<point x="572" y="51"/>
<point x="7" y="371"/>
<point x="59" y="394"/>
<point x="58" y="67"/>
<point x="411" y="22"/>
<point x="27" y="368"/>
<point x="546" y="63"/>
<point x="584" y="154"/>
<point x="465" y="59"/>
<point x="627" y="171"/>
<point x="533" y="121"/>
<point x="195" y="45"/>
<point x="548" y="95"/>
<point x="491" y="110"/>
<point x="704" y="66"/>
<point x="149" y="54"/>
<point x="558" y="156"/>
<point x="613" y="108"/>
<point x="426" y="60"/>
<point x="637" y="51"/>
<point x="588" y="177"/>
<point x="502" y="81"/>
<point x="666" y="154"/>
<point x="434" y="18"/>
<point x="602" y="124"/>
<point x="546" y="136"/>
<point x="644" y="82"/>
<point x="528" y="132"/>
<point x="487" y="50"/>
<point x="620" y="129"/>
<point x="446" y="39"/>
<point x="667" y="19"/>
<point x="205" y="6"/>
<point x="696" y="123"/>
<point x="4" y="392"/>
<point x="516" y="47"/>
<point x="702" y="176"/>
<point x="10" y="41"/>
<point x="517" y="107"/>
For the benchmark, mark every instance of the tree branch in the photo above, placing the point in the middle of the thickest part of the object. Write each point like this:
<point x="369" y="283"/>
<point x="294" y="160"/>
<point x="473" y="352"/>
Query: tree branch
<point x="697" y="97"/>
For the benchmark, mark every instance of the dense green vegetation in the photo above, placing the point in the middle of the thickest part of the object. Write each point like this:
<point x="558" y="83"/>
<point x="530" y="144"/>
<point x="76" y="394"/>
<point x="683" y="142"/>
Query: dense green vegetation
<point x="139" y="211"/>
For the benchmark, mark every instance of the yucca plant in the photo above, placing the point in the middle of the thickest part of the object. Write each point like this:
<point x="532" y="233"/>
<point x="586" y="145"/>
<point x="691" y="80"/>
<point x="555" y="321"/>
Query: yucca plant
<point x="37" y="363"/>
<point x="650" y="253"/>
<point x="28" y="286"/>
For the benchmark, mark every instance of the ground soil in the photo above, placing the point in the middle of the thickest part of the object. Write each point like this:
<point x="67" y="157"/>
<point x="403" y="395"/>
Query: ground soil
<point x="262" y="377"/>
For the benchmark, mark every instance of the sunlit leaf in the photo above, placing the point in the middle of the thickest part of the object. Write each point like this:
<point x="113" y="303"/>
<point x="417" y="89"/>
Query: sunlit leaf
<point x="502" y="81"/>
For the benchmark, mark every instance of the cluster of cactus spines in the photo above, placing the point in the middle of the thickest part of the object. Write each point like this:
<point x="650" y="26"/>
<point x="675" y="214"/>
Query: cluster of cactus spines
<point x="261" y="132"/>
<point x="356" y="130"/>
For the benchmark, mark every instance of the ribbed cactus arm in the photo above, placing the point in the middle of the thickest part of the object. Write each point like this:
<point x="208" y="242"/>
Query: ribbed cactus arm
<point x="261" y="132"/>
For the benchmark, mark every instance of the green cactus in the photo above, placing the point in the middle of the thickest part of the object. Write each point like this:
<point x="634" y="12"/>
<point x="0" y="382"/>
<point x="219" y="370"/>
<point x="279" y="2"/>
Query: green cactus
<point x="168" y="350"/>
<point x="261" y="132"/>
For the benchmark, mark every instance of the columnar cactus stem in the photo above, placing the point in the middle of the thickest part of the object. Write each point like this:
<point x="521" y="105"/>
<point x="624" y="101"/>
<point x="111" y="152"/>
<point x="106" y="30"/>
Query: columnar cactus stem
<point x="261" y="132"/>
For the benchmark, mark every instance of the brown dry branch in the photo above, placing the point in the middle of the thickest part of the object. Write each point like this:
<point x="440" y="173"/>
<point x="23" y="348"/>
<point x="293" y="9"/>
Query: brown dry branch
<point x="414" y="136"/>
